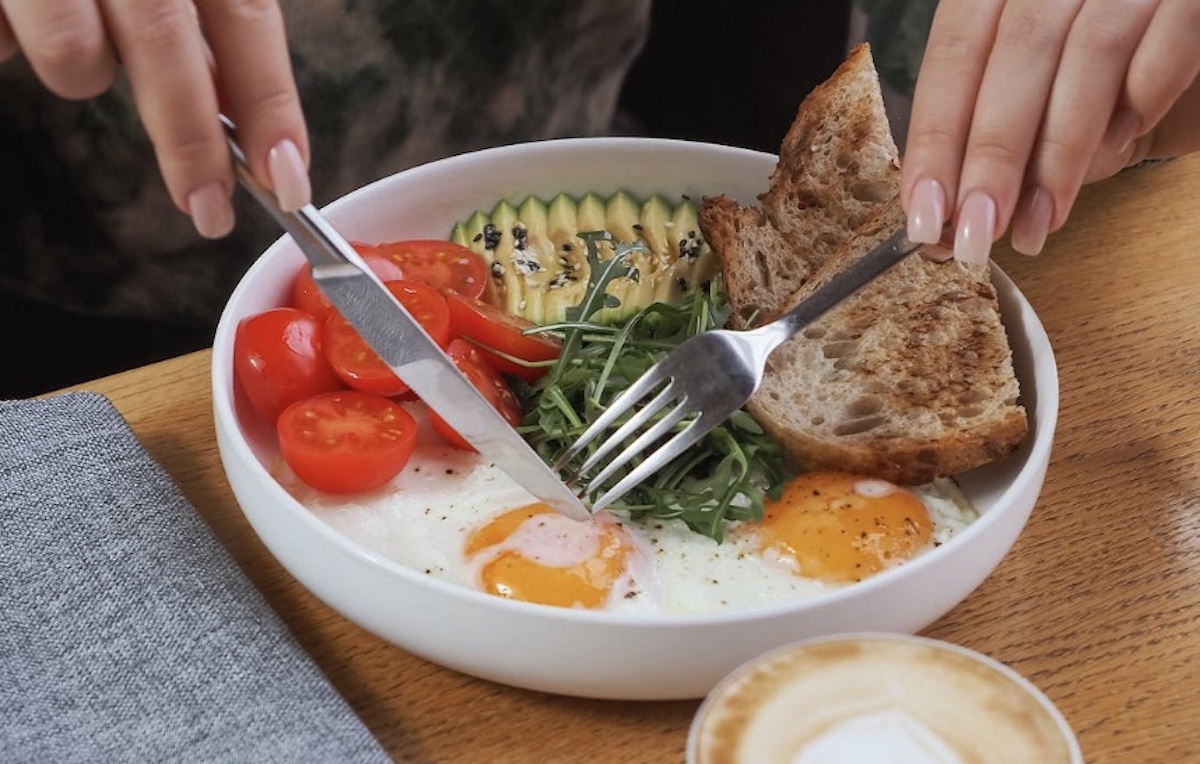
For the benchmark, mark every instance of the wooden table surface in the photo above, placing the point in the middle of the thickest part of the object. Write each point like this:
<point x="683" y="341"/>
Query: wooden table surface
<point x="1098" y="603"/>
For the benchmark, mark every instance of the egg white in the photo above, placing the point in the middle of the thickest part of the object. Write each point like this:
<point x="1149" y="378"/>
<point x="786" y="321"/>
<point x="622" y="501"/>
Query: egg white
<point x="424" y="516"/>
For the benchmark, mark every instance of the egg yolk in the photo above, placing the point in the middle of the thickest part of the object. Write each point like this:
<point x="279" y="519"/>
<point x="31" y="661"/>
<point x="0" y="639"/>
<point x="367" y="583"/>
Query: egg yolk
<point x="539" y="555"/>
<point x="839" y="528"/>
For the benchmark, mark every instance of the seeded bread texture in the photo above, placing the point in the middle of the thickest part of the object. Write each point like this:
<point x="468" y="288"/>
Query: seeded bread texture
<point x="910" y="379"/>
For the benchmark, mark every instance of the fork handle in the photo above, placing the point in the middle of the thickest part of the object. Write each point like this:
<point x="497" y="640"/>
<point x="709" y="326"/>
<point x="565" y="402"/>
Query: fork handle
<point x="845" y="282"/>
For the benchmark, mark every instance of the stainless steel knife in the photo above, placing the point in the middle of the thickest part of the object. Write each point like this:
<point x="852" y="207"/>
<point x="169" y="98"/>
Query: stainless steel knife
<point x="404" y="345"/>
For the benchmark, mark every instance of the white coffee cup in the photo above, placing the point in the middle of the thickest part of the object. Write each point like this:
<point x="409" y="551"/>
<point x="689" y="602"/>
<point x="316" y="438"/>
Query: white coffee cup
<point x="878" y="698"/>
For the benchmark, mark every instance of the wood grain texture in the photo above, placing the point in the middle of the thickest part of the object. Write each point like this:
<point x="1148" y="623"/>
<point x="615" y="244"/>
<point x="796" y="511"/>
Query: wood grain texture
<point x="1098" y="602"/>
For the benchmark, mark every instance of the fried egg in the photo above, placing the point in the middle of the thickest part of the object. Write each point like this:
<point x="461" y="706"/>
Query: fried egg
<point x="452" y="516"/>
<point x="536" y="554"/>
<point x="840" y="528"/>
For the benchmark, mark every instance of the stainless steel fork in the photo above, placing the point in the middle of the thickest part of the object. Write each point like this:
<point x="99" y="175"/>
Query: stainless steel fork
<point x="704" y="380"/>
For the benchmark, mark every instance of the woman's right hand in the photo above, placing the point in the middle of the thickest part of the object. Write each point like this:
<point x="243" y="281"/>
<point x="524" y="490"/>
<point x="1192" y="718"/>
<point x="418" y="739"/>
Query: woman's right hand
<point x="186" y="62"/>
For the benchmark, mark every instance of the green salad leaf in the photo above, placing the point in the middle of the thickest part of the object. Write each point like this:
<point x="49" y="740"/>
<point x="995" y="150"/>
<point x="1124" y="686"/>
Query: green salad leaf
<point x="726" y="476"/>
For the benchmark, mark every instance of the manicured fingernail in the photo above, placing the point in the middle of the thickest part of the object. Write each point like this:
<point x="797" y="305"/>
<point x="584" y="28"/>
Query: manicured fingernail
<point x="1031" y="223"/>
<point x="1123" y="129"/>
<point x="211" y="211"/>
<point x="289" y="176"/>
<point x="927" y="214"/>
<point x="937" y="252"/>
<point x="976" y="228"/>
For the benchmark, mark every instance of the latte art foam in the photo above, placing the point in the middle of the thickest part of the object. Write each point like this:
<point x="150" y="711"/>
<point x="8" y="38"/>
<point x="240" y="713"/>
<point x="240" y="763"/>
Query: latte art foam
<point x="885" y="698"/>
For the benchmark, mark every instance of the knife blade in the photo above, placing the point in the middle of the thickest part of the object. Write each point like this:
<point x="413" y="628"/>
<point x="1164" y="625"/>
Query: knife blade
<point x="389" y="329"/>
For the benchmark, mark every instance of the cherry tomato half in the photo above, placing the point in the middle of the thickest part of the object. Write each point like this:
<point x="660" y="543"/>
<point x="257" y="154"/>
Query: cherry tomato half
<point x="494" y="329"/>
<point x="358" y="365"/>
<point x="306" y="295"/>
<point x="278" y="360"/>
<point x="346" y="441"/>
<point x="493" y="386"/>
<point x="443" y="265"/>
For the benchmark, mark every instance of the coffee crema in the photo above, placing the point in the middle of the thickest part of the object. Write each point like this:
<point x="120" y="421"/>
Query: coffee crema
<point x="878" y="698"/>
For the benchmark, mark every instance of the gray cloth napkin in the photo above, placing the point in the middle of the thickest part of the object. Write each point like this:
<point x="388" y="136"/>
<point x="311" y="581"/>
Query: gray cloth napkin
<point x="127" y="633"/>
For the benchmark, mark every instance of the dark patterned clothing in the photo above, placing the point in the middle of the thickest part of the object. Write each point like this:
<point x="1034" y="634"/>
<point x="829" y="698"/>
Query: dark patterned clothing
<point x="898" y="30"/>
<point x="385" y="85"/>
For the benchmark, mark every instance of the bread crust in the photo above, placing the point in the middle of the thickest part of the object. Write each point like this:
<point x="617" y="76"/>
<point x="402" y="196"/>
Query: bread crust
<point x="909" y="380"/>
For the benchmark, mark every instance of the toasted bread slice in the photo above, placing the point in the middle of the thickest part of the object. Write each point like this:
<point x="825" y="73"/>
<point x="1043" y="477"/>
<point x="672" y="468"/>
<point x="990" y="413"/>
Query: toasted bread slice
<point x="910" y="379"/>
<point x="837" y="166"/>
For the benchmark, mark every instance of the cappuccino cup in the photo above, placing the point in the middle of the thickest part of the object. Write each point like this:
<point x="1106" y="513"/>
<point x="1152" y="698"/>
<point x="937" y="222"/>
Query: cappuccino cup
<point x="878" y="698"/>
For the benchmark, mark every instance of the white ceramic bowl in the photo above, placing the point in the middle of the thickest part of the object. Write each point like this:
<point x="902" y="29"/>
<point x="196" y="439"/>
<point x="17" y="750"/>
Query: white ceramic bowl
<point x="577" y="652"/>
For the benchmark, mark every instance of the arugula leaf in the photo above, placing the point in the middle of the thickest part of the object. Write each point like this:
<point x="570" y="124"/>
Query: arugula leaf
<point x="726" y="476"/>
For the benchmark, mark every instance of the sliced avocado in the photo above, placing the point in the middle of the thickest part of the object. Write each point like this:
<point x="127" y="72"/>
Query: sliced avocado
<point x="533" y="245"/>
<point x="507" y="269"/>
<point x="469" y="232"/>
<point x="539" y="261"/>
<point x="591" y="213"/>
<point x="569" y="285"/>
<point x="655" y="213"/>
<point x="480" y="236"/>
<point x="562" y="219"/>
<point x="622" y="219"/>
<point x="694" y="263"/>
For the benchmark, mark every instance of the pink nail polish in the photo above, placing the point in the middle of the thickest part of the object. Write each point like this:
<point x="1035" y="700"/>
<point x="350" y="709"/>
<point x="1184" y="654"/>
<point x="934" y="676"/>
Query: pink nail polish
<point x="976" y="228"/>
<point x="1031" y="224"/>
<point x="210" y="210"/>
<point x="289" y="176"/>
<point x="927" y="214"/>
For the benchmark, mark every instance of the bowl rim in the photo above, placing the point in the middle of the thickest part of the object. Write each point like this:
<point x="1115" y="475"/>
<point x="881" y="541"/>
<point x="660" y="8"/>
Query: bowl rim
<point x="1043" y="422"/>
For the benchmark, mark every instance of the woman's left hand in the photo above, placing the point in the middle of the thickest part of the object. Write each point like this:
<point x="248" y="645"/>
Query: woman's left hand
<point x="1019" y="103"/>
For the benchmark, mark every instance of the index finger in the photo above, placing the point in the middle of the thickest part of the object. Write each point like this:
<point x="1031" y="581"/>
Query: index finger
<point x="163" y="52"/>
<point x="943" y="106"/>
<point x="254" y="78"/>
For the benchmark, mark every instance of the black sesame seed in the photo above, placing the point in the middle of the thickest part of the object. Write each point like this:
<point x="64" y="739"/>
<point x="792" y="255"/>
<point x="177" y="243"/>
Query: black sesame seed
<point x="491" y="236"/>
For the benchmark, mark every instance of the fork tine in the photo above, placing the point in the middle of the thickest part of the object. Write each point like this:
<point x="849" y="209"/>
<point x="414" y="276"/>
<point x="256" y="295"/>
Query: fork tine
<point x="657" y="460"/>
<point x="660" y="428"/>
<point x="618" y="406"/>
<point x="627" y="430"/>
